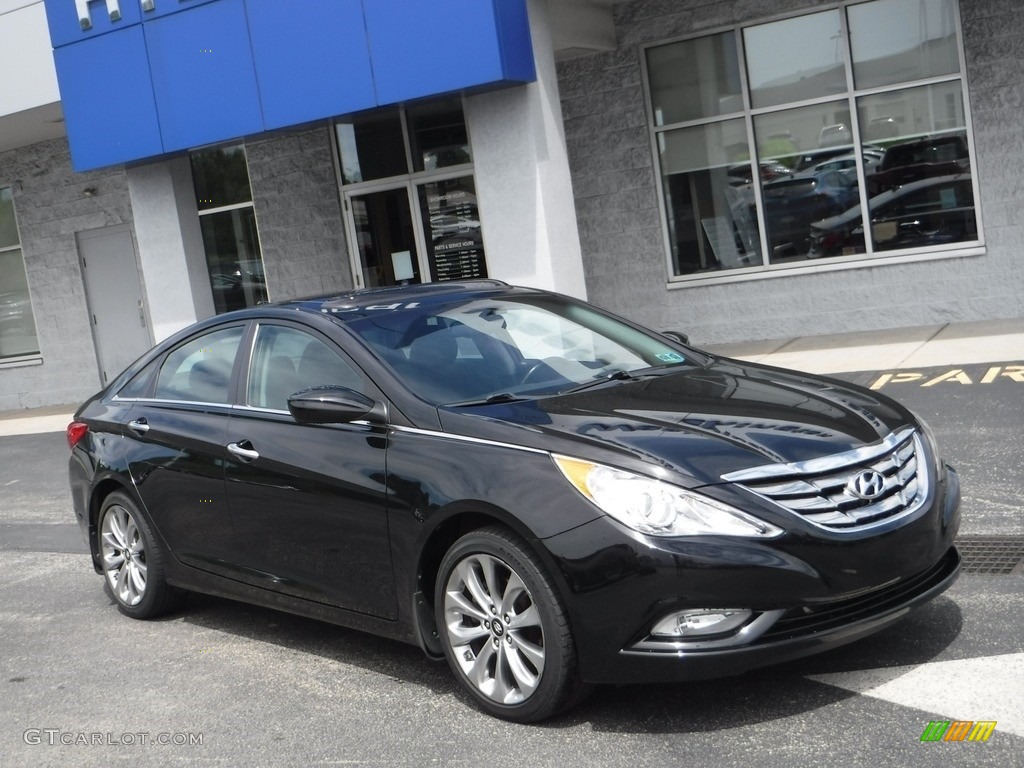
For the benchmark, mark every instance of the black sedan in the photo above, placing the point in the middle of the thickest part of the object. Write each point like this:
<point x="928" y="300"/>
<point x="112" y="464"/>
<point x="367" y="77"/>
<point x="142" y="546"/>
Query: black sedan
<point x="542" y="493"/>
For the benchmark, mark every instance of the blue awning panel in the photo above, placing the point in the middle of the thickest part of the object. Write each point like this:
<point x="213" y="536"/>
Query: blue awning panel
<point x="142" y="78"/>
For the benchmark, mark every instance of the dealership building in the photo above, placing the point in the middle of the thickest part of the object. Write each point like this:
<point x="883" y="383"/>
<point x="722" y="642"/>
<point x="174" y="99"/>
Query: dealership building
<point x="696" y="165"/>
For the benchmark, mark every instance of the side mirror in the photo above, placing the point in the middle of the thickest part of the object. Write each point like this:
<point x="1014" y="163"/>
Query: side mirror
<point x="679" y="336"/>
<point x="329" y="405"/>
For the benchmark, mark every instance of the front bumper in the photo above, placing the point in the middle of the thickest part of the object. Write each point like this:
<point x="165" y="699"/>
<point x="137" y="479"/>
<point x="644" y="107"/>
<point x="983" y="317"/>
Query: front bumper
<point x="810" y="592"/>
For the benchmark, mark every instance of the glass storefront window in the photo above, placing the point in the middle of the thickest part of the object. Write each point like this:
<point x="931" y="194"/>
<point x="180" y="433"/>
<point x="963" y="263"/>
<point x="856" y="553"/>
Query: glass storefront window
<point x="17" y="323"/>
<point x="233" y="258"/>
<point x="896" y="143"/>
<point x="806" y="141"/>
<point x="228" y="224"/>
<point x="707" y="182"/>
<point x="895" y="41"/>
<point x="220" y="177"/>
<point x="415" y="217"/>
<point x="795" y="59"/>
<point x="451" y="220"/>
<point x="437" y="135"/>
<point x="694" y="79"/>
<point x="372" y="147"/>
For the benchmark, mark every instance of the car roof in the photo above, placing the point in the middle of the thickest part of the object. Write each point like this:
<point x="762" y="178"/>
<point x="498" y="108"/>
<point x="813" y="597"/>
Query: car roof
<point x="421" y="294"/>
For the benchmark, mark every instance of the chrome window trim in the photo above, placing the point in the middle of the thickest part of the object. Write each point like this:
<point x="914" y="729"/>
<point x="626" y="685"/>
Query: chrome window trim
<point x="158" y="401"/>
<point x="466" y="439"/>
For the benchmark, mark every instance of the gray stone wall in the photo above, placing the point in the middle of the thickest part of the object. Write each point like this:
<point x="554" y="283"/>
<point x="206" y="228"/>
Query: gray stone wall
<point x="51" y="206"/>
<point x="614" y="185"/>
<point x="298" y="214"/>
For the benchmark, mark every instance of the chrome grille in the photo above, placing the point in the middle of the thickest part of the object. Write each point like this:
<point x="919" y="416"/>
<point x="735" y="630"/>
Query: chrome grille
<point x="825" y="491"/>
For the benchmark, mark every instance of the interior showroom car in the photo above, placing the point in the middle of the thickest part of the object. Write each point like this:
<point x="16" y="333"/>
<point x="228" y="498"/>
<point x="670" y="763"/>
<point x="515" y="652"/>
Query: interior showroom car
<point x="543" y="494"/>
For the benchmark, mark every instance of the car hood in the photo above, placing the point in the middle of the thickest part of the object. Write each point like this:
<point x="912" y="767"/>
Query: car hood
<point x="702" y="423"/>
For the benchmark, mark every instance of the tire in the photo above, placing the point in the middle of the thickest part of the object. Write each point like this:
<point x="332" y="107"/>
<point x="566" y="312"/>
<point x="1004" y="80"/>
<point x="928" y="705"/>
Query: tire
<point x="504" y="629"/>
<point x="132" y="562"/>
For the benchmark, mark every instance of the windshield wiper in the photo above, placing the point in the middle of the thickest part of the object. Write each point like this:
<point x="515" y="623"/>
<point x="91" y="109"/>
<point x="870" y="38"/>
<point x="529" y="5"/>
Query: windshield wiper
<point x="640" y="373"/>
<point x="500" y="397"/>
<point x="613" y="376"/>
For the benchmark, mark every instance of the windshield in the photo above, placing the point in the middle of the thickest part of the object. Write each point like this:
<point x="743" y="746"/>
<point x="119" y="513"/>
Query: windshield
<point x="509" y="347"/>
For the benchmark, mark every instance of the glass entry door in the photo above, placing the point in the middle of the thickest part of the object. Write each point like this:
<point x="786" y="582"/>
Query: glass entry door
<point x="385" y="237"/>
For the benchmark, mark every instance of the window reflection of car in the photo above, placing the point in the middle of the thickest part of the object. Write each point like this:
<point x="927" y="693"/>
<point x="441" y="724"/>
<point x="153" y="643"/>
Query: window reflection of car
<point x="847" y="164"/>
<point x="742" y="174"/>
<point x="448" y="155"/>
<point x="927" y="212"/>
<point x="920" y="159"/>
<point x="791" y="204"/>
<point x="238" y="289"/>
<point x="834" y="135"/>
<point x="16" y="314"/>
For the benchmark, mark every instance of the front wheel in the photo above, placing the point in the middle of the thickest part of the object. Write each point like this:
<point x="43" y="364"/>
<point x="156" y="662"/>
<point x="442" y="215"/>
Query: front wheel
<point x="504" y="629"/>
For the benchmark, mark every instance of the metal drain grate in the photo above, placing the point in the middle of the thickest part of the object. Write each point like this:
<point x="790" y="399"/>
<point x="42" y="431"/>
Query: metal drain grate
<point x="991" y="554"/>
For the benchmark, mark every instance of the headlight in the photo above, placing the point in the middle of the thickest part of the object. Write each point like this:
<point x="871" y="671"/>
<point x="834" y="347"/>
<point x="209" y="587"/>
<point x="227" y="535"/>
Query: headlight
<point x="658" y="508"/>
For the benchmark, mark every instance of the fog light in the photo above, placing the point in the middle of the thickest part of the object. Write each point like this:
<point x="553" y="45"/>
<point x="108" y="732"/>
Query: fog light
<point x="701" y="621"/>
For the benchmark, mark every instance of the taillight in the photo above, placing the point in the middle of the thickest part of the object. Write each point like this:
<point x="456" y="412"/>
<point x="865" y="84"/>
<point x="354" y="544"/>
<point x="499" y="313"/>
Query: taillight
<point x="76" y="431"/>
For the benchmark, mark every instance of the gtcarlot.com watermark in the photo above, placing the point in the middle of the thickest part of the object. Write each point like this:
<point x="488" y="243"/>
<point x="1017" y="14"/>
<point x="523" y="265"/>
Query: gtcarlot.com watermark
<point x="56" y="737"/>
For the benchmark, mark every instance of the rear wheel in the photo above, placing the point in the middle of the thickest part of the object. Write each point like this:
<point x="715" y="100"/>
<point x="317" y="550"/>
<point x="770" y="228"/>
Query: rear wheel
<point x="504" y="629"/>
<point x="132" y="562"/>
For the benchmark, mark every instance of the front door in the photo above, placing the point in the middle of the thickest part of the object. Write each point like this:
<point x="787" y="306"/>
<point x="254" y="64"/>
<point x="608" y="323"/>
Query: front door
<point x="308" y="502"/>
<point x="114" y="296"/>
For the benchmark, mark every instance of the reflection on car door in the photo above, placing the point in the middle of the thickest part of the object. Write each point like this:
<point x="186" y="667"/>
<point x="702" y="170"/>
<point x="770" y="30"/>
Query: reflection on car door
<point x="178" y="425"/>
<point x="308" y="501"/>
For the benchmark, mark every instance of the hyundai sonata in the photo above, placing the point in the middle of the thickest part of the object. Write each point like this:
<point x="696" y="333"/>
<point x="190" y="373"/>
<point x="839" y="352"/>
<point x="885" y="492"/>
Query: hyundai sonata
<point x="544" y="494"/>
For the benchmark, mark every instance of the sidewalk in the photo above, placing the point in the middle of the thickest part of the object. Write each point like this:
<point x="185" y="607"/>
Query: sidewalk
<point x="926" y="346"/>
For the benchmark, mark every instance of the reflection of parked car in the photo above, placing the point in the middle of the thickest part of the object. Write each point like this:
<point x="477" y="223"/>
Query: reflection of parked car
<point x="792" y="203"/>
<point x="741" y="175"/>
<point x="847" y="164"/>
<point x="16" y="314"/>
<point x="920" y="159"/>
<point x="837" y="135"/>
<point x="927" y="212"/>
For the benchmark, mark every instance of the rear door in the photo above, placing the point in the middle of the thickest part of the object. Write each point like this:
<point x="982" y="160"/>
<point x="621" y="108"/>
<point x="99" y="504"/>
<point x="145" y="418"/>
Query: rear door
<point x="308" y="502"/>
<point x="178" y="426"/>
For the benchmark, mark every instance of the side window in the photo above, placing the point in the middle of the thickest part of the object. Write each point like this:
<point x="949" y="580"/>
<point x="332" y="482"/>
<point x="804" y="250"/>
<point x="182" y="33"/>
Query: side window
<point x="200" y="370"/>
<point x="138" y="385"/>
<point x="286" y="360"/>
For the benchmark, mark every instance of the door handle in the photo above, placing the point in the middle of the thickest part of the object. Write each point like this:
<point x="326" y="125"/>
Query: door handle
<point x="240" y="450"/>
<point x="139" y="426"/>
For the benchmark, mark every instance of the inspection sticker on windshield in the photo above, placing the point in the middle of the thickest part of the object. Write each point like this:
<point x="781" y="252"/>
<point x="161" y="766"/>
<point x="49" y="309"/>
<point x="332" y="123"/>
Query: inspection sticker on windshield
<point x="671" y="357"/>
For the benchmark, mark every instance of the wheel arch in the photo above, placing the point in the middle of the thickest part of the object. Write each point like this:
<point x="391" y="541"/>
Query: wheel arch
<point x="100" y="492"/>
<point x="460" y="521"/>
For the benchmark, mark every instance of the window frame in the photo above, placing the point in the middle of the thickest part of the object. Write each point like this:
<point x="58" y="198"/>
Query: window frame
<point x="412" y="181"/>
<point x="852" y="95"/>
<point x="24" y="358"/>
<point x="230" y="207"/>
<point x="249" y="357"/>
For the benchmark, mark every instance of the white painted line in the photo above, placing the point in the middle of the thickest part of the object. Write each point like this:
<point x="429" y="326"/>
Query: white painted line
<point x="986" y="688"/>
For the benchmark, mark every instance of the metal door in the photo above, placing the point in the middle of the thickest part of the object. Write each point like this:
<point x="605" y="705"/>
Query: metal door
<point x="114" y="297"/>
